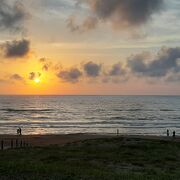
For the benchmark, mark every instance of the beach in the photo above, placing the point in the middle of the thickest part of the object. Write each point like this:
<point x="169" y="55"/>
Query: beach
<point x="47" y="140"/>
<point x="61" y="139"/>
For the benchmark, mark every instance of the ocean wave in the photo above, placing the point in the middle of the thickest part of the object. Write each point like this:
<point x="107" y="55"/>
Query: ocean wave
<point x="167" y="110"/>
<point x="65" y="114"/>
<point x="135" y="109"/>
<point x="117" y="118"/>
<point x="26" y="110"/>
<point x="117" y="110"/>
<point x="132" y="109"/>
<point x="176" y="118"/>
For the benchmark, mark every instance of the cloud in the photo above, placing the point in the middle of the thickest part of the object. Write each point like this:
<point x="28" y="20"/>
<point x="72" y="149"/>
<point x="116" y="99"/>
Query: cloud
<point x="94" y="72"/>
<point x="88" y="24"/>
<point x="12" y="15"/>
<point x="42" y="60"/>
<point x="92" y="69"/>
<point x="45" y="67"/>
<point x="173" y="77"/>
<point x="121" y="14"/>
<point x="117" y="70"/>
<point x="45" y="64"/>
<point x="73" y="75"/>
<point x="166" y="61"/>
<point x="34" y="75"/>
<point x="11" y="78"/>
<point x="17" y="77"/>
<point x="57" y="4"/>
<point x="115" y="74"/>
<point x="164" y="65"/>
<point x="3" y="81"/>
<point x="16" y="49"/>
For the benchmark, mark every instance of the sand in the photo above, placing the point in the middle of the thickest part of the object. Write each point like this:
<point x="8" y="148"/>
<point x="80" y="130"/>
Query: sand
<point x="45" y="140"/>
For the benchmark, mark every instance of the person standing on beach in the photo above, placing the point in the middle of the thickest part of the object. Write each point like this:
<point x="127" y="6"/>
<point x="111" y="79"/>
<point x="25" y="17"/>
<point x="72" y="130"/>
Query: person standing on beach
<point x="174" y="134"/>
<point x="20" y="133"/>
<point x="168" y="132"/>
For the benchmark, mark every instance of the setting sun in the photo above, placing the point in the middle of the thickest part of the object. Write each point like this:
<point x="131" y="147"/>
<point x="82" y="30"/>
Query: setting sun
<point x="37" y="80"/>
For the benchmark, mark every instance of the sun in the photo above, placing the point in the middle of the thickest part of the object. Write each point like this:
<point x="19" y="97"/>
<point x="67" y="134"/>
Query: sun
<point x="37" y="80"/>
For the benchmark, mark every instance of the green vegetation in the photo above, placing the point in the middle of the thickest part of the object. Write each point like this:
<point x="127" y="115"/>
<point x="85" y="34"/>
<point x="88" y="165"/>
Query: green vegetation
<point x="108" y="159"/>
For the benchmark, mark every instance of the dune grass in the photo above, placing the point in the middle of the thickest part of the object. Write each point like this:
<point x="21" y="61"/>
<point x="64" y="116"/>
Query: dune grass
<point x="108" y="159"/>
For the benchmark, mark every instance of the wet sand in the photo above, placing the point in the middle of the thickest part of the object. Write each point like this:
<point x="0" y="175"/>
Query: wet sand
<point x="45" y="140"/>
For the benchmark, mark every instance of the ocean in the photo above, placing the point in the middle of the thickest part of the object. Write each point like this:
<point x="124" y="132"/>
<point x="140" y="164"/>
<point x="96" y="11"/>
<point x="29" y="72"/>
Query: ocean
<point x="133" y="115"/>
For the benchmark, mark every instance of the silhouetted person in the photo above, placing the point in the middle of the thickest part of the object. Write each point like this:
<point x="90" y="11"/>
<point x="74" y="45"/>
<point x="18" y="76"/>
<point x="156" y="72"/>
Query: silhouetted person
<point x="174" y="134"/>
<point x="168" y="132"/>
<point x="20" y="133"/>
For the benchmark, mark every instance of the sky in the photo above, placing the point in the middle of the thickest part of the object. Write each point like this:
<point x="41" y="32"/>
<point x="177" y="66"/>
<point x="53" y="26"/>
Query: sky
<point x="90" y="47"/>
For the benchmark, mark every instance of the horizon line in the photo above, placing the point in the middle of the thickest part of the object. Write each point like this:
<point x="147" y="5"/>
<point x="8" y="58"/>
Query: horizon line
<point x="89" y="94"/>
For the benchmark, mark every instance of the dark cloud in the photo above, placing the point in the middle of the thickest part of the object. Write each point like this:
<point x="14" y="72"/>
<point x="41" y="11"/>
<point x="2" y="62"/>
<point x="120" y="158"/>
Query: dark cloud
<point x="88" y="24"/>
<point x="45" y="64"/>
<point x="16" y="49"/>
<point x="73" y="75"/>
<point x="34" y="75"/>
<point x="117" y="70"/>
<point x="45" y="67"/>
<point x="17" y="77"/>
<point x="93" y="72"/>
<point x="124" y="13"/>
<point x="164" y="65"/>
<point x="166" y="61"/>
<point x="42" y="60"/>
<point x="12" y="15"/>
<point x="92" y="69"/>
<point x="116" y="74"/>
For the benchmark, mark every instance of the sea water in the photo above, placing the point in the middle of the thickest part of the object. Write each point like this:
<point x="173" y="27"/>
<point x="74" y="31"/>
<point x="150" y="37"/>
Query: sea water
<point x="133" y="115"/>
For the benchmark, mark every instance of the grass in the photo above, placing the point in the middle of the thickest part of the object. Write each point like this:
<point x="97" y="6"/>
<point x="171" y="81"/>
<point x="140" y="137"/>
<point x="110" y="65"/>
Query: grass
<point x="106" y="159"/>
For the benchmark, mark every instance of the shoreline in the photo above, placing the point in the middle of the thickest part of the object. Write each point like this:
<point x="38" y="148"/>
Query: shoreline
<point x="62" y="139"/>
